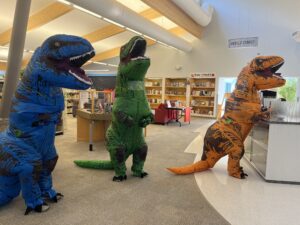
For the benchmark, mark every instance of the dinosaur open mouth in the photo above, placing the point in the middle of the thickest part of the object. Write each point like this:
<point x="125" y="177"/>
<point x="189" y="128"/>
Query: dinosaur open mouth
<point x="74" y="64"/>
<point x="138" y="49"/>
<point x="274" y="69"/>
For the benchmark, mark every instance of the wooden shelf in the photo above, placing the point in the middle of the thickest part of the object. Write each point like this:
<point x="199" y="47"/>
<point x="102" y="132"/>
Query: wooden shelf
<point x="153" y="86"/>
<point x="203" y="115"/>
<point x="203" y="91"/>
<point x="175" y="87"/>
<point x="202" y="106"/>
<point x="213" y="88"/>
<point x="175" y="95"/>
<point x="157" y="85"/>
<point x="194" y="96"/>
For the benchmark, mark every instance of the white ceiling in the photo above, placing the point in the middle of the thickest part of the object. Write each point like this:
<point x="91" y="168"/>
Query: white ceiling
<point x="74" y="22"/>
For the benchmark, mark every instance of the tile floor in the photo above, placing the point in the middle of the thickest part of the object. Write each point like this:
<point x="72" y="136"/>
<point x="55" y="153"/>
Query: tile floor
<point x="246" y="202"/>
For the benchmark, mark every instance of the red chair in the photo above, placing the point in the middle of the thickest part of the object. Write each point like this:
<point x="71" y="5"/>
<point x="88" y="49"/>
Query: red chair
<point x="164" y="115"/>
<point x="161" y="114"/>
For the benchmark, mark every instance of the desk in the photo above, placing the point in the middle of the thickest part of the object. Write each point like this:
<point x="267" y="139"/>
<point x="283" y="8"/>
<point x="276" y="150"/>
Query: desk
<point x="272" y="148"/>
<point x="176" y="113"/>
<point x="92" y="126"/>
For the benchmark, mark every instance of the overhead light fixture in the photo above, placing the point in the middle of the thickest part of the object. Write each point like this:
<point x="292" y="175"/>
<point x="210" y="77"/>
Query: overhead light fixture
<point x="112" y="65"/>
<point x="100" y="63"/>
<point x="87" y="11"/>
<point x="133" y="22"/>
<point x="65" y="2"/>
<point x="134" y="31"/>
<point x="146" y="36"/>
<point x="113" y="22"/>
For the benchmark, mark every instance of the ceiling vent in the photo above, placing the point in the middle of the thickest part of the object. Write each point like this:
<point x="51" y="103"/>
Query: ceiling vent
<point x="200" y="14"/>
<point x="118" y="13"/>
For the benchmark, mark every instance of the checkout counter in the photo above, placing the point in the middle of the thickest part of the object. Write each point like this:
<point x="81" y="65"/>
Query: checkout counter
<point x="93" y="116"/>
<point x="273" y="147"/>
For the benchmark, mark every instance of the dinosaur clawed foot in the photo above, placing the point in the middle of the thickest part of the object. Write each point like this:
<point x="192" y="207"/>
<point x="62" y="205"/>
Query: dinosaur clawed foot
<point x="39" y="208"/>
<point x="55" y="199"/>
<point x="243" y="175"/>
<point x="239" y="174"/>
<point x="140" y="174"/>
<point x="119" y="178"/>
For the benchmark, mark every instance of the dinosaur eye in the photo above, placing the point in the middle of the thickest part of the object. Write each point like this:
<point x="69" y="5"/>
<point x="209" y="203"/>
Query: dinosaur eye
<point x="259" y="61"/>
<point x="56" y="44"/>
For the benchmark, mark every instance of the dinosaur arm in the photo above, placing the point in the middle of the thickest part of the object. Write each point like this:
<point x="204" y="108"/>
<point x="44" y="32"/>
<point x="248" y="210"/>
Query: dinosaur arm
<point x="122" y="117"/>
<point x="263" y="115"/>
<point x="146" y="120"/>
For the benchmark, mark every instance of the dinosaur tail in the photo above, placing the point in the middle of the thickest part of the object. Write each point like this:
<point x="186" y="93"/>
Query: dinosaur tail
<point x="95" y="164"/>
<point x="192" y="168"/>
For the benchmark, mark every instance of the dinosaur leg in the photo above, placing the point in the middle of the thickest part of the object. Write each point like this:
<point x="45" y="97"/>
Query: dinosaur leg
<point x="9" y="188"/>
<point x="234" y="157"/>
<point x="45" y="181"/>
<point x="117" y="156"/>
<point x="29" y="175"/>
<point x="139" y="157"/>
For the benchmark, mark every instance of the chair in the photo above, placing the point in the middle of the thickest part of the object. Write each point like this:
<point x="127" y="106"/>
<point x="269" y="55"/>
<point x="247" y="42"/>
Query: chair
<point x="161" y="114"/>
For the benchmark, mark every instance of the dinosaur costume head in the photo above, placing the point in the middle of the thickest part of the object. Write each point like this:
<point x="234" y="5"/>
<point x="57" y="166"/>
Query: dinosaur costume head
<point x="264" y="69"/>
<point x="259" y="74"/>
<point x="60" y="58"/>
<point x="133" y="63"/>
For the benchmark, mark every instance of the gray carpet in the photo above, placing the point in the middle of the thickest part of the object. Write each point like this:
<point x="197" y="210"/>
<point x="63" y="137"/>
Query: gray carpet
<point x="91" y="198"/>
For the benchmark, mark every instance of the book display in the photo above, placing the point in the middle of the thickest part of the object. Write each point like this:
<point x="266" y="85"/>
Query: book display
<point x="153" y="87"/>
<point x="176" y="91"/>
<point x="202" y="98"/>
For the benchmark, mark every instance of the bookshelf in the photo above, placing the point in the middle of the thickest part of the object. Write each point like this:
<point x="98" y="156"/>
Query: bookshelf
<point x="154" y="91"/>
<point x="176" y="90"/>
<point x="71" y="99"/>
<point x="203" y="95"/>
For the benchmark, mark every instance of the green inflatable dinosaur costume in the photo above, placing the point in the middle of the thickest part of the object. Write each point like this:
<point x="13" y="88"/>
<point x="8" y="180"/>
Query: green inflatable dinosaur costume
<point x="131" y="113"/>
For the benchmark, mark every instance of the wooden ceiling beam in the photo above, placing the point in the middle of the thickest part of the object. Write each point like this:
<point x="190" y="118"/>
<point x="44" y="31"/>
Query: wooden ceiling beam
<point x="40" y="18"/>
<point x="111" y="30"/>
<point x="177" y="15"/>
<point x="2" y="66"/>
<point x="115" y="51"/>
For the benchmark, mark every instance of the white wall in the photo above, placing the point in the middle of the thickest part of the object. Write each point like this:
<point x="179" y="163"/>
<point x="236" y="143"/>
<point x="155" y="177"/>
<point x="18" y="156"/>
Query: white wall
<point x="273" y="21"/>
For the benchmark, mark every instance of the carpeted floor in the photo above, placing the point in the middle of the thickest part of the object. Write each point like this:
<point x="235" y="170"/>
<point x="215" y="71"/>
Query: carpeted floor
<point x="91" y="198"/>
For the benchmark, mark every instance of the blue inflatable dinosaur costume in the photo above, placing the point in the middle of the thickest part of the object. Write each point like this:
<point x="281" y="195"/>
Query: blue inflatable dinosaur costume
<point x="27" y="151"/>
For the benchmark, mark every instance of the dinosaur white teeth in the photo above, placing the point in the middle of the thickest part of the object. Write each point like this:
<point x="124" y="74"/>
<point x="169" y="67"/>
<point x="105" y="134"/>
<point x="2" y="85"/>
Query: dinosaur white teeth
<point x="79" y="56"/>
<point x="79" y="78"/>
<point x="139" y="57"/>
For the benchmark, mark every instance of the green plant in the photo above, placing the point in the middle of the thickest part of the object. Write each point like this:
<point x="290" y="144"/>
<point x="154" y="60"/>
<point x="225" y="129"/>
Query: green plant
<point x="288" y="91"/>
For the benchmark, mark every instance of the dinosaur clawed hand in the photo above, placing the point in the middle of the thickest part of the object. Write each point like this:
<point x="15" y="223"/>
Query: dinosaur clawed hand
<point x="119" y="178"/>
<point x="146" y="121"/>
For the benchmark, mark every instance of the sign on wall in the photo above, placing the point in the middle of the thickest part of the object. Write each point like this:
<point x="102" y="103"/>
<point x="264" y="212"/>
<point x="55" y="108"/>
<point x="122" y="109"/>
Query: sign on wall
<point x="249" y="42"/>
<point x="202" y="75"/>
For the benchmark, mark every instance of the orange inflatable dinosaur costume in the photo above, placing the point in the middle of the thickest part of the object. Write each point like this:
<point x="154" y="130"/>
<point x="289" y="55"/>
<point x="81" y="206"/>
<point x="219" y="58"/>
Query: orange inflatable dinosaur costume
<point x="226" y="136"/>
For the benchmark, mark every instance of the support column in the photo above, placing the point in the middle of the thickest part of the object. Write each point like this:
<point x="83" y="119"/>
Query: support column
<point x="15" y="55"/>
